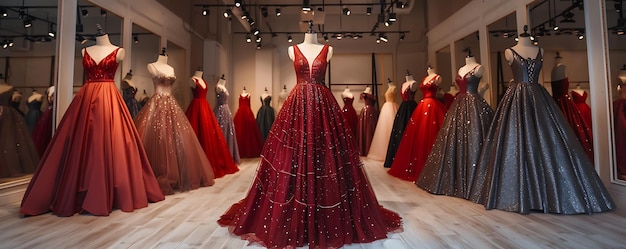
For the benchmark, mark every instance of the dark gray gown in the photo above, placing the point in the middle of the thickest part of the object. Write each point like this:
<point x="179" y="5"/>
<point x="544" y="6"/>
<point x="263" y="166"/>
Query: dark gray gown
<point x="225" y="119"/>
<point x="531" y="160"/>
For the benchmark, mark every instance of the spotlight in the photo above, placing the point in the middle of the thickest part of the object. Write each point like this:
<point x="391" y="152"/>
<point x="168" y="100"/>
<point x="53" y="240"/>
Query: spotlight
<point x="256" y="31"/>
<point x="289" y="38"/>
<point x="568" y="18"/>
<point x="400" y="5"/>
<point x="388" y="23"/>
<point x="264" y="11"/>
<point x="5" y="44"/>
<point x="516" y="39"/>
<point x="383" y="37"/>
<point x="346" y="11"/>
<point x="555" y="28"/>
<point x="4" y="12"/>
<point x="402" y="35"/>
<point x="10" y="43"/>
<point x="258" y="39"/>
<point x="369" y="11"/>
<point x="392" y="17"/>
<point x="205" y="10"/>
<point x="278" y="12"/>
<point x="22" y="14"/>
<point x="325" y="37"/>
<point x="536" y="42"/>
<point x="378" y="40"/>
<point x="103" y="13"/>
<point x="306" y="5"/>
<point x="580" y="35"/>
<point x="620" y="32"/>
<point x="381" y="18"/>
<point x="228" y="13"/>
<point x="245" y="15"/>
<point x="258" y="46"/>
<point x="356" y="36"/>
<point x="339" y="36"/>
<point x="135" y="39"/>
<point x="505" y="35"/>
<point x="28" y="23"/>
<point x="248" y="39"/>
<point x="251" y="21"/>
<point x="50" y="30"/>
<point x="237" y="3"/>
<point x="84" y="12"/>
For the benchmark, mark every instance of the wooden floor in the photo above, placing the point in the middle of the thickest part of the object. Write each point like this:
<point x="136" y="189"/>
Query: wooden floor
<point x="188" y="220"/>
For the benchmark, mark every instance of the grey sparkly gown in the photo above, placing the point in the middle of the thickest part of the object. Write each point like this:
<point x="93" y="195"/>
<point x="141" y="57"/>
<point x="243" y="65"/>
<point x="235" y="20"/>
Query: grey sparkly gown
<point x="450" y="165"/>
<point x="174" y="152"/>
<point x="531" y="160"/>
<point x="225" y="119"/>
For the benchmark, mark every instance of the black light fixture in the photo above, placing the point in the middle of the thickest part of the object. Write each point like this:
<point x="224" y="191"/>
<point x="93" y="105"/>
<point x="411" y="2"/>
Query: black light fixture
<point x="255" y="31"/>
<point x="135" y="39"/>
<point x="339" y="36"/>
<point x="356" y="36"/>
<point x="381" y="18"/>
<point x="346" y="11"/>
<point x="28" y="22"/>
<point x="402" y="35"/>
<point x="568" y="18"/>
<point x="258" y="45"/>
<point x="400" y="5"/>
<point x="205" y="10"/>
<point x="620" y="31"/>
<point x="325" y="37"/>
<point x="237" y="3"/>
<point x="103" y="12"/>
<point x="10" y="42"/>
<point x="22" y="14"/>
<point x="306" y="5"/>
<point x="369" y="10"/>
<point x="248" y="39"/>
<point x="228" y="13"/>
<point x="258" y="39"/>
<point x="264" y="11"/>
<point x="383" y="37"/>
<point x="4" y="12"/>
<point x="84" y="12"/>
<point x="580" y="35"/>
<point x="278" y="12"/>
<point x="50" y="30"/>
<point x="251" y="21"/>
<point x="245" y="15"/>
<point x="289" y="38"/>
<point x="392" y="17"/>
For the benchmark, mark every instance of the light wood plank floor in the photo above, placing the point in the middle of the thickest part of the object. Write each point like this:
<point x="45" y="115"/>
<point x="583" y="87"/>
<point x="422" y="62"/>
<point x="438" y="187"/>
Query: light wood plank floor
<point x="188" y="220"/>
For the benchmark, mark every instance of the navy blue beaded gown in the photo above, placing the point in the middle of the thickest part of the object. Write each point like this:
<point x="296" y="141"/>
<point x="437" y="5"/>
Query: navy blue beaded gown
<point x="310" y="187"/>
<point x="531" y="160"/>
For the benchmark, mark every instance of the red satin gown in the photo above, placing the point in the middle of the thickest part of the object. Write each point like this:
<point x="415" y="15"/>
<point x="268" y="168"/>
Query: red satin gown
<point x="574" y="117"/>
<point x="209" y="133"/>
<point x="248" y="134"/>
<point x="310" y="186"/>
<point x="95" y="161"/>
<point x="419" y="135"/>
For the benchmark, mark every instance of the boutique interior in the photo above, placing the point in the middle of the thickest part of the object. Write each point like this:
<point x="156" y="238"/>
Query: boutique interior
<point x="231" y="53"/>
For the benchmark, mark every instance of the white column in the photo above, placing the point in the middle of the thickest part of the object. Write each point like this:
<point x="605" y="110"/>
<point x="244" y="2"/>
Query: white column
<point x="64" y="60"/>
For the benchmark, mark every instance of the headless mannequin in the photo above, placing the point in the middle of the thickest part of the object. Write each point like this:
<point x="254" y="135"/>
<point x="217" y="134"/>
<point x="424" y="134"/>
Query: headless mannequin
<point x="283" y="93"/>
<point x="347" y="94"/>
<point x="558" y="71"/>
<point x="197" y="76"/>
<point x="409" y="83"/>
<point x="127" y="81"/>
<point x="432" y="76"/>
<point x="471" y="64"/>
<point x="35" y="96"/>
<point x="17" y="96"/>
<point x="310" y="48"/>
<point x="368" y="90"/>
<point x="265" y="94"/>
<point x="244" y="93"/>
<point x="50" y="93"/>
<point x="102" y="49"/>
<point x="220" y="87"/>
<point x="524" y="48"/>
<point x="160" y="68"/>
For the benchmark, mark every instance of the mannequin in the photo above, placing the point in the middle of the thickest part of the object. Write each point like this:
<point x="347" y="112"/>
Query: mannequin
<point x="432" y="76"/>
<point x="558" y="71"/>
<point x="17" y="96"/>
<point x="310" y="48"/>
<point x="243" y="92"/>
<point x="127" y="81"/>
<point x="265" y="94"/>
<point x="368" y="90"/>
<point x="220" y="87"/>
<point x="50" y="93"/>
<point x="283" y="93"/>
<point x="524" y="48"/>
<point x="197" y="76"/>
<point x="409" y="83"/>
<point x="578" y="90"/>
<point x="144" y="98"/>
<point x="35" y="96"/>
<point x="160" y="68"/>
<point x="346" y="93"/>
<point x="471" y="64"/>
<point x="102" y="49"/>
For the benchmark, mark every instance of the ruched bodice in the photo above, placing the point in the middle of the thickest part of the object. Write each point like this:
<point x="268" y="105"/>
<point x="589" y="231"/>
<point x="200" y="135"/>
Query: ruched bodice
<point x="101" y="71"/>
<point x="468" y="83"/>
<point x="347" y="101"/>
<point x="199" y="92"/>
<point x="390" y="94"/>
<point x="408" y="94"/>
<point x="526" y="70"/>
<point x="163" y="84"/>
<point x="429" y="90"/>
<point x="316" y="72"/>
<point x="222" y="98"/>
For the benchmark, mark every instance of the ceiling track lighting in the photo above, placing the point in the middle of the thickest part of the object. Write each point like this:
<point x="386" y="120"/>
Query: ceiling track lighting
<point x="258" y="46"/>
<point x="255" y="31"/>
<point x="248" y="39"/>
<point x="258" y="39"/>
<point x="264" y="11"/>
<point x="135" y="39"/>
<point x="22" y="14"/>
<point x="28" y="23"/>
<point x="289" y="38"/>
<point x="245" y="15"/>
<point x="238" y="3"/>
<point x="306" y="6"/>
<point x="205" y="10"/>
<point x="346" y="11"/>
<point x="51" y="30"/>
<point x="228" y="13"/>
<point x="383" y="37"/>
<point x="278" y="12"/>
<point x="103" y="12"/>
<point x="368" y="11"/>
<point x="3" y="12"/>
<point x="251" y="21"/>
<point x="391" y="17"/>
<point x="400" y="5"/>
<point x="84" y="12"/>
<point x="402" y="36"/>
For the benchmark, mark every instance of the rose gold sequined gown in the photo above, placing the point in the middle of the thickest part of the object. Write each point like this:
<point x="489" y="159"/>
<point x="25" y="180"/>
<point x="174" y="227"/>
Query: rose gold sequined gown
<point x="310" y="186"/>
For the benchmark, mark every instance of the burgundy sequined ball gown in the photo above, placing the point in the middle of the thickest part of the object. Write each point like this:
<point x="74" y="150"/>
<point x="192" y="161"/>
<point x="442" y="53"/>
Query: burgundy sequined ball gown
<point x="95" y="162"/>
<point x="349" y="113"/>
<point x="248" y="134"/>
<point x="310" y="186"/>
<point x="581" y="102"/>
<point x="574" y="117"/>
<point x="367" y="122"/>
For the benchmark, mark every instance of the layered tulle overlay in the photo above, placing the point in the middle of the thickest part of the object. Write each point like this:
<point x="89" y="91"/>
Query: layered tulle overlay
<point x="380" y="142"/>
<point x="178" y="161"/>
<point x="95" y="162"/>
<point x="248" y="134"/>
<point x="574" y="117"/>
<point x="419" y="135"/>
<point x="451" y="163"/>
<point x="18" y="155"/>
<point x="367" y="122"/>
<point x="310" y="186"/>
<point x="209" y="134"/>
<point x="405" y="111"/>
<point x="531" y="159"/>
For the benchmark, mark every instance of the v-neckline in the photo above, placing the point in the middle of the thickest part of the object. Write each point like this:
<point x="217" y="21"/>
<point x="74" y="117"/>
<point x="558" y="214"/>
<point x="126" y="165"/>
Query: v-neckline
<point x="314" y="59"/>
<point x="94" y="61"/>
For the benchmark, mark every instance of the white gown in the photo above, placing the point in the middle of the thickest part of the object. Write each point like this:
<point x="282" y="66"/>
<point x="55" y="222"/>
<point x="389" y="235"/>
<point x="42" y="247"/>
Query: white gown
<point x="378" y="148"/>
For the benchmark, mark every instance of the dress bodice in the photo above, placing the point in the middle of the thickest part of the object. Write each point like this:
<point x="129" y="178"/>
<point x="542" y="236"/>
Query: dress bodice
<point x="5" y="97"/>
<point x="369" y="99"/>
<point x="579" y="98"/>
<point x="129" y="92"/>
<point x="429" y="89"/>
<point x="199" y="92"/>
<point x="408" y="94"/>
<point x="390" y="94"/>
<point x="266" y="101"/>
<point x="101" y="71"/>
<point x="244" y="101"/>
<point x="468" y="82"/>
<point x="34" y="105"/>
<point x="314" y="73"/>
<point x="526" y="70"/>
<point x="163" y="84"/>
<point x="222" y="98"/>
<point x="347" y="101"/>
<point x="560" y="88"/>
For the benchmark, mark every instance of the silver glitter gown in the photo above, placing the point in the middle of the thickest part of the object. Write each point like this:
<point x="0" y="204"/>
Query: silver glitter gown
<point x="450" y="165"/>
<point x="531" y="160"/>
<point x="225" y="119"/>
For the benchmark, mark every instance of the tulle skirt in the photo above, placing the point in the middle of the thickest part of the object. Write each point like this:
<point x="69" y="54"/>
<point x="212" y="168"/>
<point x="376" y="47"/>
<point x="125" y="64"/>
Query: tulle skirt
<point x="380" y="142"/>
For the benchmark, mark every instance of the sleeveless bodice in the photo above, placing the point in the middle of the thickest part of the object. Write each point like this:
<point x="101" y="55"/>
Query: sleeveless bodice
<point x="408" y="95"/>
<point x="347" y="101"/>
<point x="5" y="97"/>
<point x="266" y="101"/>
<point x="222" y="98"/>
<point x="163" y="84"/>
<point x="199" y="92"/>
<point x="369" y="99"/>
<point x="429" y="89"/>
<point x="244" y="101"/>
<point x="579" y="98"/>
<point x="129" y="92"/>
<point x="34" y="105"/>
<point x="314" y="73"/>
<point x="390" y="94"/>
<point x="468" y="83"/>
<point x="560" y="88"/>
<point x="101" y="71"/>
<point x="526" y="70"/>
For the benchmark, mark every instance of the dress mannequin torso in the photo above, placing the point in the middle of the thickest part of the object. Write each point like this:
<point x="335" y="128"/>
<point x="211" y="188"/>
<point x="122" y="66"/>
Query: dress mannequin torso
<point x="220" y="87"/>
<point x="432" y="76"/>
<point x="50" y="93"/>
<point x="265" y="94"/>
<point x="368" y="90"/>
<point x="347" y="94"/>
<point x="102" y="49"/>
<point x="17" y="96"/>
<point x="310" y="48"/>
<point x="283" y="94"/>
<point x="197" y="76"/>
<point x="471" y="64"/>
<point x="524" y="48"/>
<point x="409" y="83"/>
<point x="558" y="71"/>
<point x="128" y="82"/>
<point x="160" y="68"/>
<point x="35" y="96"/>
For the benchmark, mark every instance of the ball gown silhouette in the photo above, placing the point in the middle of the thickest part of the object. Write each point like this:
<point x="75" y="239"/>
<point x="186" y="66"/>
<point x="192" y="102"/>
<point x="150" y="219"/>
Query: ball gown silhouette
<point x="367" y="122"/>
<point x="225" y="120"/>
<point x="349" y="113"/>
<point x="248" y="134"/>
<point x="574" y="117"/>
<point x="451" y="163"/>
<point x="95" y="161"/>
<point x="419" y="135"/>
<point x="18" y="154"/>
<point x="310" y="187"/>
<point x="531" y="159"/>
<point x="176" y="156"/>
<point x="378" y="148"/>
<point x="405" y="111"/>
<point x="265" y="116"/>
<point x="33" y="114"/>
<point x="208" y="131"/>
<point x="581" y="102"/>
